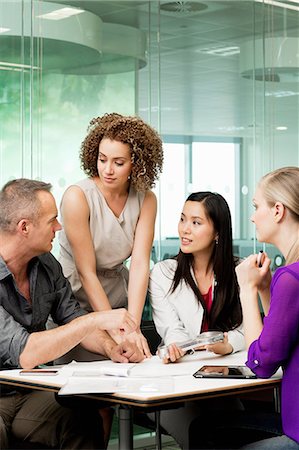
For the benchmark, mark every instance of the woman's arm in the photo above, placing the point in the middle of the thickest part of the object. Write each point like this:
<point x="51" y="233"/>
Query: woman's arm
<point x="140" y="265"/>
<point x="75" y="212"/>
<point x="249" y="278"/>
<point x="166" y="317"/>
<point x="279" y="337"/>
<point x="140" y="259"/>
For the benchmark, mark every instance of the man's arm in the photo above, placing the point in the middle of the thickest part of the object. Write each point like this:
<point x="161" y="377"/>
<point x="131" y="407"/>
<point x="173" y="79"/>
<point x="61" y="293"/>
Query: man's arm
<point x="44" y="346"/>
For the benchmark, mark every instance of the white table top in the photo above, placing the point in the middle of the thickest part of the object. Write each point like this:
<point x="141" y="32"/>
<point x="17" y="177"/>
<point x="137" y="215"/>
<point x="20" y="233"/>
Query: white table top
<point x="167" y="381"/>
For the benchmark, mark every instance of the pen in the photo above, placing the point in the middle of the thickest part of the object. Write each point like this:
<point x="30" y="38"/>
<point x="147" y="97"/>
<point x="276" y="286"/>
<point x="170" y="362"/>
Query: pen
<point x="259" y="258"/>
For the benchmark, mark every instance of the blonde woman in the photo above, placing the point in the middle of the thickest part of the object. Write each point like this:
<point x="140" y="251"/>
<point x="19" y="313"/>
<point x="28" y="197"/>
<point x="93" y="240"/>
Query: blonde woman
<point x="275" y="341"/>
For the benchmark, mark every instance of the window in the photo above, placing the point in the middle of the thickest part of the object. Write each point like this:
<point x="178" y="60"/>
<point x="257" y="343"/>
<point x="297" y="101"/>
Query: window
<point x="192" y="165"/>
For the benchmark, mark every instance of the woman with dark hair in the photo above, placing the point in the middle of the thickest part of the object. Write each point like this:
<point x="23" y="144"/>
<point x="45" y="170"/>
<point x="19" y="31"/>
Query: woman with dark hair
<point x="197" y="290"/>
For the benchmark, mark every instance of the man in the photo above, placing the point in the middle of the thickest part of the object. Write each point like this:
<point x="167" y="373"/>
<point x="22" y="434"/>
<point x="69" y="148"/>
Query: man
<point x="32" y="287"/>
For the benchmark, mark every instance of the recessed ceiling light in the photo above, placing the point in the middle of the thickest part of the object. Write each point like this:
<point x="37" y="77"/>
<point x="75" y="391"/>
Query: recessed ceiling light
<point x="219" y="50"/>
<point x="14" y="66"/>
<point x="279" y="94"/>
<point x="62" y="13"/>
<point x="3" y="30"/>
<point x="231" y="128"/>
<point x="281" y="128"/>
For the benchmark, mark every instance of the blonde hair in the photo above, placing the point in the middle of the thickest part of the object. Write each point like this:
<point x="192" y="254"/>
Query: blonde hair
<point x="282" y="185"/>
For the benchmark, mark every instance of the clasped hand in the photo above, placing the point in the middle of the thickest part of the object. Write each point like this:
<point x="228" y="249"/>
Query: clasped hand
<point x="250" y="275"/>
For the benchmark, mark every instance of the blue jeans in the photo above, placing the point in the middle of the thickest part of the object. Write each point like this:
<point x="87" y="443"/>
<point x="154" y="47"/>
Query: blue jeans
<point x="276" y="443"/>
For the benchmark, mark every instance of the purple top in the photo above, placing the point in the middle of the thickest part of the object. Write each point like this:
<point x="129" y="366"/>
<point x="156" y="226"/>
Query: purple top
<point x="278" y="344"/>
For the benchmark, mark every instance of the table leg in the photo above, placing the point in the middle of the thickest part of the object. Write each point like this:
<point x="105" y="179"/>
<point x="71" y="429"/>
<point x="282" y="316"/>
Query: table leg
<point x="158" y="431"/>
<point x="125" y="422"/>
<point x="276" y="393"/>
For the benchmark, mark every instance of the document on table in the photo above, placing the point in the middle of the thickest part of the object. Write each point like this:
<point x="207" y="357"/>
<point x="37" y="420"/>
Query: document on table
<point x="97" y="368"/>
<point x="113" y="384"/>
<point x="148" y="376"/>
<point x="152" y="367"/>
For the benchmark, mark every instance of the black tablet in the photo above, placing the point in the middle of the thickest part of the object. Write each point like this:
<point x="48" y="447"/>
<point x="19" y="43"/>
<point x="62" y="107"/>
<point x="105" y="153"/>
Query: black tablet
<point x="224" y="372"/>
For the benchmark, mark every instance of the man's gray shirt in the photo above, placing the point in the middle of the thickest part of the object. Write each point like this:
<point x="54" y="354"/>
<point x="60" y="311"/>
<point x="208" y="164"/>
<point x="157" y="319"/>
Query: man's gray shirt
<point x="50" y="294"/>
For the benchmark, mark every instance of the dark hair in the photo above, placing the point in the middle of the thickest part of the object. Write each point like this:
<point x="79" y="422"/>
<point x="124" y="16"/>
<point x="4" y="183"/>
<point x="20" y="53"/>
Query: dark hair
<point x="19" y="200"/>
<point x="226" y="311"/>
<point x="144" y="142"/>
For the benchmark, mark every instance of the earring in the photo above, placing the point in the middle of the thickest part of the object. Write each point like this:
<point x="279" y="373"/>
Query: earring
<point x="216" y="241"/>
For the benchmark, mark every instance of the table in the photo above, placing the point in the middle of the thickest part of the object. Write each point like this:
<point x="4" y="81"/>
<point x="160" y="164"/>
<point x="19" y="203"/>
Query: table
<point x="185" y="387"/>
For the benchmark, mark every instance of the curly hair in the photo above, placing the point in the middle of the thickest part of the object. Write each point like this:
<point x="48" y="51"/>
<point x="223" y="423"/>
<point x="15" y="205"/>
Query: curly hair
<point x="144" y="142"/>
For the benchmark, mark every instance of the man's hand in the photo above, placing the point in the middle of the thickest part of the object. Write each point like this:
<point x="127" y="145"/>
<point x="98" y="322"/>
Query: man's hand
<point x="115" y="319"/>
<point x="135" y="337"/>
<point x="126" y="352"/>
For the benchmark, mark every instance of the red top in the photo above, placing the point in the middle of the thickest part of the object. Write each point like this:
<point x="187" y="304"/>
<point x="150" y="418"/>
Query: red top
<point x="208" y="299"/>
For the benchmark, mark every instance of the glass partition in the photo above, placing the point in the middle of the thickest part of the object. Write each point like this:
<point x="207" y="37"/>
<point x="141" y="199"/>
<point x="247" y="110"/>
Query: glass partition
<point x="203" y="73"/>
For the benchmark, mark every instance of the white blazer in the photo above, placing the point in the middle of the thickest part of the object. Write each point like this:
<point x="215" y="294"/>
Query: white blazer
<point x="178" y="315"/>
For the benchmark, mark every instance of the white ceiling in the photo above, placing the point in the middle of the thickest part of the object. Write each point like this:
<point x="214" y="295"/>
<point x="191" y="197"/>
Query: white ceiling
<point x="200" y="92"/>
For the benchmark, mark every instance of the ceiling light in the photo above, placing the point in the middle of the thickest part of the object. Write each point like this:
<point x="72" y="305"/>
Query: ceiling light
<point x="62" y="13"/>
<point x="219" y="50"/>
<point x="14" y="66"/>
<point x="270" y="60"/>
<point x="281" y="128"/>
<point x="279" y="94"/>
<point x="280" y="4"/>
<point x="3" y="30"/>
<point x="81" y="44"/>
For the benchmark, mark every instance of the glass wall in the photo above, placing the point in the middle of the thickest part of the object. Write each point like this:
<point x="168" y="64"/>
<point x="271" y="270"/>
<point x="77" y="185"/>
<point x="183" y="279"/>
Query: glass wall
<point x="213" y="77"/>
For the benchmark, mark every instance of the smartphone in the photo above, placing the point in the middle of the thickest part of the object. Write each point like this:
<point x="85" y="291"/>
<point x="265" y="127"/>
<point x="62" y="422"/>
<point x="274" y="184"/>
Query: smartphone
<point x="224" y="372"/>
<point x="38" y="372"/>
<point x="205" y="338"/>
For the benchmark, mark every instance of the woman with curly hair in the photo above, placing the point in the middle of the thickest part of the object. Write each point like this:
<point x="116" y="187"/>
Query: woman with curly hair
<point x="110" y="216"/>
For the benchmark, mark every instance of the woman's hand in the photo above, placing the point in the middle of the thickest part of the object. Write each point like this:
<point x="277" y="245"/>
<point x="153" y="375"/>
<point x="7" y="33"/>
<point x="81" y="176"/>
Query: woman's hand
<point x="137" y="338"/>
<point x="220" y="348"/>
<point x="115" y="319"/>
<point x="250" y="276"/>
<point x="174" y="353"/>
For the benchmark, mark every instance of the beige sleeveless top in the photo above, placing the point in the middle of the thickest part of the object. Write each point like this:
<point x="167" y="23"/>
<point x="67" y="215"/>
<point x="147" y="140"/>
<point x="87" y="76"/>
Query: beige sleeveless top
<point x="113" y="239"/>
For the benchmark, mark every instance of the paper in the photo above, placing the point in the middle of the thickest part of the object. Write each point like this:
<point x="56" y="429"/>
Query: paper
<point x="112" y="371"/>
<point x="98" y="368"/>
<point x="108" y="384"/>
<point x="151" y="367"/>
<point x="154" y="367"/>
